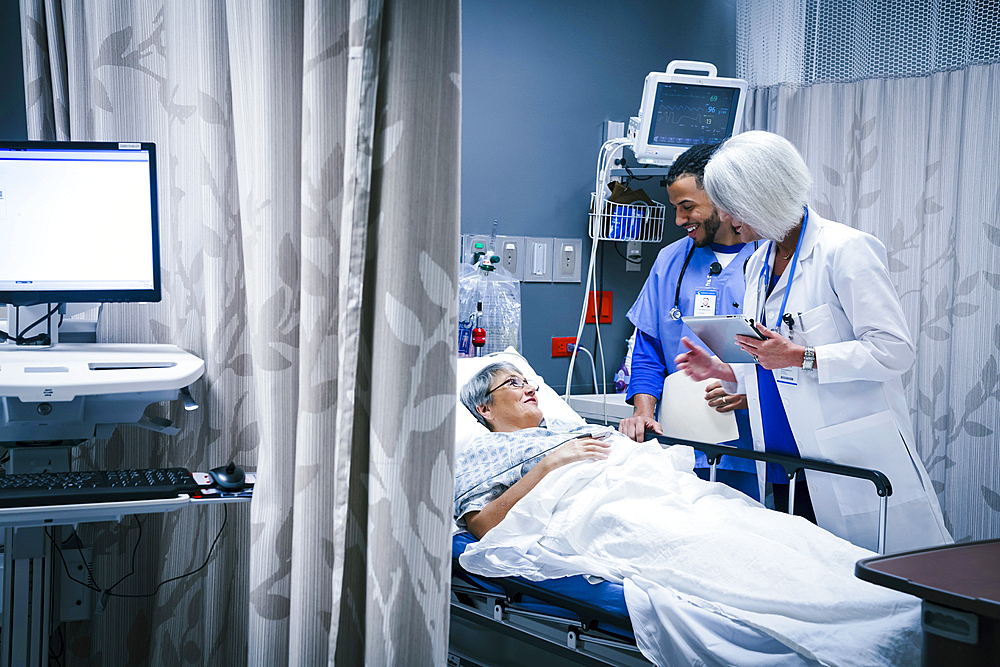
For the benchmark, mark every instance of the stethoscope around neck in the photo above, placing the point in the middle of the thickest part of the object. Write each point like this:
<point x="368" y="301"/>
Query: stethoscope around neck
<point x="713" y="270"/>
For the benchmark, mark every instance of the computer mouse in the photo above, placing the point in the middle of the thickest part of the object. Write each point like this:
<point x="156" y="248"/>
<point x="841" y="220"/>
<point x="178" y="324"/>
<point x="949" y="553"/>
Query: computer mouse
<point x="230" y="477"/>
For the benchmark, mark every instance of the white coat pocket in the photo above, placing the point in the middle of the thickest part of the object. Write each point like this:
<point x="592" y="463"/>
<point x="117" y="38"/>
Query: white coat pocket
<point x="817" y="327"/>
<point x="871" y="442"/>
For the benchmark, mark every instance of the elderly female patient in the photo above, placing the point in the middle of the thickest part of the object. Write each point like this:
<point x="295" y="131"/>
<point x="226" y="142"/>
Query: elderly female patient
<point x="497" y="470"/>
<point x="548" y="499"/>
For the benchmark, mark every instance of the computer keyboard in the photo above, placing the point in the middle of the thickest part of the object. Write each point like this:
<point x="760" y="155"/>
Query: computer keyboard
<point x="101" y="486"/>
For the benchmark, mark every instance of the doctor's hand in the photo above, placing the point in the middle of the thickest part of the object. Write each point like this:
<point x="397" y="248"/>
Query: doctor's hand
<point x="723" y="402"/>
<point x="775" y="351"/>
<point x="700" y="365"/>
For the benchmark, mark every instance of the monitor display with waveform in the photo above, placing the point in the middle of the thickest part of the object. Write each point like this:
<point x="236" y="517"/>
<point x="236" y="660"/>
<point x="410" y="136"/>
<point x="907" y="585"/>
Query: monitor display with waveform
<point x="687" y="115"/>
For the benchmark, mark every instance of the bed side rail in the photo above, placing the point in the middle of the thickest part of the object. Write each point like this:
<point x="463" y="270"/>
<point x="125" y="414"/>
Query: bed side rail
<point x="793" y="466"/>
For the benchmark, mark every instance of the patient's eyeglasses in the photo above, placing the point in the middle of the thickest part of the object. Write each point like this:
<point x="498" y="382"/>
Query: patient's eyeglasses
<point x="514" y="381"/>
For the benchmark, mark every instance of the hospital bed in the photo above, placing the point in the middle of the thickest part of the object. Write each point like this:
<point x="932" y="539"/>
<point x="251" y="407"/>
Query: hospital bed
<point x="571" y="621"/>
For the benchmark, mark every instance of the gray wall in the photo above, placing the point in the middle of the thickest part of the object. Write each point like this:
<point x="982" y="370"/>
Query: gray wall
<point x="538" y="81"/>
<point x="13" y="120"/>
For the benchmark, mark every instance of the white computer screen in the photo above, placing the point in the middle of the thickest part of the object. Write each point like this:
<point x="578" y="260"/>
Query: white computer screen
<point x="78" y="220"/>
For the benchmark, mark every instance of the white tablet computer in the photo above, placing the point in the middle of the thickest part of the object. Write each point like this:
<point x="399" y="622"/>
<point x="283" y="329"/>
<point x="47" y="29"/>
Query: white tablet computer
<point x="719" y="333"/>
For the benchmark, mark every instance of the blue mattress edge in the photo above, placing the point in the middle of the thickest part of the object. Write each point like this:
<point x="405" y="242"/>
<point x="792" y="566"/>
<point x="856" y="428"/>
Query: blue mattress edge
<point x="603" y="602"/>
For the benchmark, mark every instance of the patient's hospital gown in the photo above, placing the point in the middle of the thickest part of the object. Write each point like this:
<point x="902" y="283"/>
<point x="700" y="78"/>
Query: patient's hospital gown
<point x="496" y="461"/>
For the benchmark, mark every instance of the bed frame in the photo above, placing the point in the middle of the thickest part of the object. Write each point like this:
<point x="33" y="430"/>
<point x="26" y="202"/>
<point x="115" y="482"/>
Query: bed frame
<point x="512" y="621"/>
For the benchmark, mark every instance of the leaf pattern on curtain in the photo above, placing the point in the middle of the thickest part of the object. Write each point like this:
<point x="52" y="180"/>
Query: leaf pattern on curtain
<point x="308" y="186"/>
<point x="901" y="159"/>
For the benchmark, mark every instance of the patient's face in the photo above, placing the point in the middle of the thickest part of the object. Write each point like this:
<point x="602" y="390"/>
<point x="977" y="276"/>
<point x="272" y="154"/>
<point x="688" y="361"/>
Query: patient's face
<point x="513" y="408"/>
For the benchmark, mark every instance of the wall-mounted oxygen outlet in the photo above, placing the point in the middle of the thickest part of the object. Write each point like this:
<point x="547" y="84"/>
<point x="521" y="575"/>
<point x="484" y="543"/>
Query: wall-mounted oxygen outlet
<point x="510" y="249"/>
<point x="538" y="268"/>
<point x="473" y="244"/>
<point x="569" y="257"/>
<point x="529" y="259"/>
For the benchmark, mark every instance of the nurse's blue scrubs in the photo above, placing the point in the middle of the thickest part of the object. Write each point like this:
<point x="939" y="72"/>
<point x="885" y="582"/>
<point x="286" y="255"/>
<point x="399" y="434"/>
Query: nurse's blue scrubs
<point x="658" y="335"/>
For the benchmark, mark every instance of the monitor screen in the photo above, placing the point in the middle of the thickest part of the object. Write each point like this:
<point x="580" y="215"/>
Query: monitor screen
<point x="687" y="115"/>
<point x="679" y="111"/>
<point x="79" y="222"/>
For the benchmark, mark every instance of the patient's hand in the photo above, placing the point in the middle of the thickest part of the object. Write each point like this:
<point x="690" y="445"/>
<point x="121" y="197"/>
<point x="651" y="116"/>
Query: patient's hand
<point x="721" y="401"/>
<point x="580" y="449"/>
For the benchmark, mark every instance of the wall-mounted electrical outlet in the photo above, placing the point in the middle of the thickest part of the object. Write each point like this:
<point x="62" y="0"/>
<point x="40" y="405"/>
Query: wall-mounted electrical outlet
<point x="633" y="256"/>
<point x="559" y="346"/>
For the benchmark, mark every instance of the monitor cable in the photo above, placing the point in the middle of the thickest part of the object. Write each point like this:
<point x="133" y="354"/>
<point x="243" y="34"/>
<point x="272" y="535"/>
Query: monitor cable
<point x="57" y="656"/>
<point x="41" y="339"/>
<point x="109" y="592"/>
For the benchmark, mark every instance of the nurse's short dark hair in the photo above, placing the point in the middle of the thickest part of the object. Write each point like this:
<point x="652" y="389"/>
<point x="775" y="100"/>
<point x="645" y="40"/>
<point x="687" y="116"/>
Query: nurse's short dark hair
<point x="692" y="163"/>
<point x="476" y="390"/>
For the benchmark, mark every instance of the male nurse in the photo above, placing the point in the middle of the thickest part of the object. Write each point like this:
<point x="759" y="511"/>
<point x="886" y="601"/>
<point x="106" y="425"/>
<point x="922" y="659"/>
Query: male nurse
<point x="700" y="274"/>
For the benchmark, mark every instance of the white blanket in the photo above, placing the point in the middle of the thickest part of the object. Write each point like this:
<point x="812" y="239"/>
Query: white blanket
<point x="711" y="577"/>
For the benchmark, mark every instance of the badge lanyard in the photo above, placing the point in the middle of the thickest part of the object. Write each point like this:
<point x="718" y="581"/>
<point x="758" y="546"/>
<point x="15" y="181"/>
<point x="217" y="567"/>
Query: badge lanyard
<point x="765" y="274"/>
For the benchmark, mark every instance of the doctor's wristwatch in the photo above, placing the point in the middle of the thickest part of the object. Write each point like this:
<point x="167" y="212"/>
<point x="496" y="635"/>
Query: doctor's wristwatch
<point x="808" y="359"/>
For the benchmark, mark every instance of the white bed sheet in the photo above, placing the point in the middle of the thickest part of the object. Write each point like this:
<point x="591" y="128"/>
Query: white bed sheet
<point x="709" y="574"/>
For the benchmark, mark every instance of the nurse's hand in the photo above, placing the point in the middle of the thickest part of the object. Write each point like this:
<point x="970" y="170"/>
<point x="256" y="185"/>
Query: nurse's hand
<point x="635" y="427"/>
<point x="775" y="351"/>
<point x="721" y="401"/>
<point x="700" y="365"/>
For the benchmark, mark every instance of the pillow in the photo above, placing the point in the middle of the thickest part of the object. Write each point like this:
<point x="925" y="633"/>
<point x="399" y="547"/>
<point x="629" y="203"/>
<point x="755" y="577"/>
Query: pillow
<point x="552" y="405"/>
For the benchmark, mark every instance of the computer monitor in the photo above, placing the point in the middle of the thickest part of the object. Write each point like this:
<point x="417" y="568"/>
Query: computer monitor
<point x="78" y="223"/>
<point x="679" y="111"/>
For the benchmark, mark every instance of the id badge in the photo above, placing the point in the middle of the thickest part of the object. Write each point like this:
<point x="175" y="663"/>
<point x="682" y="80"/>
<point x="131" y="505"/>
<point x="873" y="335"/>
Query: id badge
<point x="704" y="302"/>
<point x="787" y="375"/>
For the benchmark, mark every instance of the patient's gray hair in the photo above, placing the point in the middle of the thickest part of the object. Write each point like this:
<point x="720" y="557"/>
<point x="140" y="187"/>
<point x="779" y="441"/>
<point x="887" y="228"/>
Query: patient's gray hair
<point x="474" y="393"/>
<point x="760" y="179"/>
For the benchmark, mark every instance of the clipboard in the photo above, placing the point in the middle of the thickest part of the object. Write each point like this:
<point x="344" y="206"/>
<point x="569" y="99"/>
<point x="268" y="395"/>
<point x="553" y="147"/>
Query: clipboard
<point x="719" y="333"/>
<point x="684" y="413"/>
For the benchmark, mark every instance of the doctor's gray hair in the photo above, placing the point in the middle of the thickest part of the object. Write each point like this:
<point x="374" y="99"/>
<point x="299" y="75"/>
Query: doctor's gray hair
<point x="760" y="179"/>
<point x="475" y="391"/>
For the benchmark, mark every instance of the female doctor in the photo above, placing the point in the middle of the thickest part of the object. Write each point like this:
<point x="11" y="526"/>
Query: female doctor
<point x="826" y="384"/>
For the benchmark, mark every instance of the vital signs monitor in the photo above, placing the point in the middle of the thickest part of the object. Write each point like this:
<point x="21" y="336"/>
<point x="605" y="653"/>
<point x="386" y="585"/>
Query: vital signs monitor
<point x="78" y="222"/>
<point x="679" y="111"/>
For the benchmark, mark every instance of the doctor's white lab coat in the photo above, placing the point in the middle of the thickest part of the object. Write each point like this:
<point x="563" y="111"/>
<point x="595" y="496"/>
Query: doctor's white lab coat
<point x="850" y="410"/>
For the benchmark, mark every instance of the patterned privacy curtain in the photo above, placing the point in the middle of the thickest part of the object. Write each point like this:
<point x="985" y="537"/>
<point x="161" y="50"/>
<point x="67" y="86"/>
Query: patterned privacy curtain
<point x="895" y="108"/>
<point x="308" y="156"/>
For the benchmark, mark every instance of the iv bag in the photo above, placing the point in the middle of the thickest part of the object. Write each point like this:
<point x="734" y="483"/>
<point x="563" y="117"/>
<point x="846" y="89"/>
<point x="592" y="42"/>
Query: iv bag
<point x="500" y="294"/>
